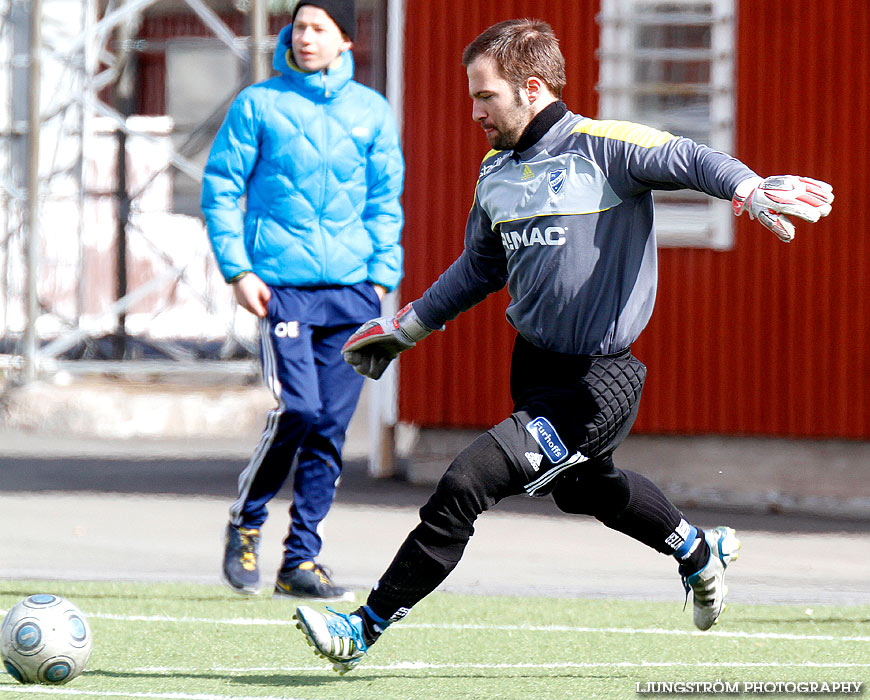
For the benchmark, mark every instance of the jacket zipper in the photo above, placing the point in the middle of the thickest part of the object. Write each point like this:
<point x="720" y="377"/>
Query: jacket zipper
<point x="320" y="234"/>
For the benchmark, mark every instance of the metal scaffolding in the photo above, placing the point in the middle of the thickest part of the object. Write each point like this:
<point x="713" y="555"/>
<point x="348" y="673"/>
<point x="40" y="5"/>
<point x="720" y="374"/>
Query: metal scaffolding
<point x="79" y="171"/>
<point x="100" y="271"/>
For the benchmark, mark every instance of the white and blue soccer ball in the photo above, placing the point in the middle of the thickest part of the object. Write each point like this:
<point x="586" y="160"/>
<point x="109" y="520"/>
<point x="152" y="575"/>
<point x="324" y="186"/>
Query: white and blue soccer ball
<point x="45" y="639"/>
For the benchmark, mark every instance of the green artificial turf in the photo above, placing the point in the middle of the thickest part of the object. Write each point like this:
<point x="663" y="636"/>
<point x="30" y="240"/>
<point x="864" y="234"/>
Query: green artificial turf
<point x="194" y="642"/>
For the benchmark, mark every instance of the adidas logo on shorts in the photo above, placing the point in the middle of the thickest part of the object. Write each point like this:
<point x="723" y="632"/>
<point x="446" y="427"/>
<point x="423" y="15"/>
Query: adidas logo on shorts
<point x="534" y="459"/>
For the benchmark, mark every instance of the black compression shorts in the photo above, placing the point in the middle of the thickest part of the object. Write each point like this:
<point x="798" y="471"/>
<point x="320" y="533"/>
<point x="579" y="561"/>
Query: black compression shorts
<point x="568" y="409"/>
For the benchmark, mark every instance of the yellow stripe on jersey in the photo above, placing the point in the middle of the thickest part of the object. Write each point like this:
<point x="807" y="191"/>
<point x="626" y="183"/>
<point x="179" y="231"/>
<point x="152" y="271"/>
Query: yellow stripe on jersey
<point x="638" y="134"/>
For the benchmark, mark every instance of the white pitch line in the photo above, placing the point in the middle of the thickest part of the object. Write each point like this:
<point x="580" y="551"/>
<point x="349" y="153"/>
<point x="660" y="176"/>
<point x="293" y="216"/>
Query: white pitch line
<point x="424" y="666"/>
<point x="151" y="696"/>
<point x="265" y="622"/>
<point x="631" y="630"/>
<point x="245" y="622"/>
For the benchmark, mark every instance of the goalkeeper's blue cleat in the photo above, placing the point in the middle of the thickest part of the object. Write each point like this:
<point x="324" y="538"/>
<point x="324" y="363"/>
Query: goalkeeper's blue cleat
<point x="335" y="636"/>
<point x="708" y="584"/>
<point x="240" y="570"/>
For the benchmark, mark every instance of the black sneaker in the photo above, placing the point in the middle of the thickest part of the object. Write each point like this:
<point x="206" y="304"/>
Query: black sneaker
<point x="240" y="570"/>
<point x="310" y="581"/>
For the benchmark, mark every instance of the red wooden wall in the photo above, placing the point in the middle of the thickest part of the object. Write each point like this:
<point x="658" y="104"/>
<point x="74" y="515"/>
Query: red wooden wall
<point x="764" y="339"/>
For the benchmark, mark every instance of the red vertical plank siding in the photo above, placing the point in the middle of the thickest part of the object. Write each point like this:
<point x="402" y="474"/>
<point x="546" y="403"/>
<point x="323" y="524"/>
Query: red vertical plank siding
<point x="774" y="338"/>
<point x="764" y="339"/>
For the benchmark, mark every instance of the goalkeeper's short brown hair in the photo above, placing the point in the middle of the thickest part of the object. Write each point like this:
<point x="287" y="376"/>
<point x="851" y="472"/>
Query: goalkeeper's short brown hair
<point x="521" y="48"/>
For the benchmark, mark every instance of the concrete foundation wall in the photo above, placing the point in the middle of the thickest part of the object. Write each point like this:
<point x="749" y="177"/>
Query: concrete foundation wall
<point x="221" y="414"/>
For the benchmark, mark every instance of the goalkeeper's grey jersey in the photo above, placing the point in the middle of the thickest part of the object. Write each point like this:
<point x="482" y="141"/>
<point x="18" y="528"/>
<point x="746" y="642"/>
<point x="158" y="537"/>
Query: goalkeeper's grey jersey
<point x="568" y="225"/>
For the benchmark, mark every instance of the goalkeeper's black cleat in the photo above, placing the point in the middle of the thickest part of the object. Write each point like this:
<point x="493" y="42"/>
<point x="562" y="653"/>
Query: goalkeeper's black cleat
<point x="309" y="581"/>
<point x="240" y="571"/>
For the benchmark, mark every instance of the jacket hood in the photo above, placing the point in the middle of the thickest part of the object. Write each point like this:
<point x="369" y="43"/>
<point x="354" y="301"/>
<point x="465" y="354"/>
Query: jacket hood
<point x="330" y="82"/>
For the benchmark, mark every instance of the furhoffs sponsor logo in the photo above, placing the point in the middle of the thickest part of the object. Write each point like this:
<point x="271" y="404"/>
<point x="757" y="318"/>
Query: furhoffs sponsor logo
<point x="548" y="439"/>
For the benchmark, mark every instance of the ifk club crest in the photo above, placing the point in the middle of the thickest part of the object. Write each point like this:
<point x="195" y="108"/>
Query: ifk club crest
<point x="556" y="179"/>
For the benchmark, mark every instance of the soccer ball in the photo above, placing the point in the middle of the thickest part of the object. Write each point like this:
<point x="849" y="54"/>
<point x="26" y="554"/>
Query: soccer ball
<point x="45" y="639"/>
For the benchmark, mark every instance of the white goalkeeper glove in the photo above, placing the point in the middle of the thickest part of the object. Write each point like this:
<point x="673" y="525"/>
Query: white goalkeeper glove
<point x="772" y="200"/>
<point x="375" y="343"/>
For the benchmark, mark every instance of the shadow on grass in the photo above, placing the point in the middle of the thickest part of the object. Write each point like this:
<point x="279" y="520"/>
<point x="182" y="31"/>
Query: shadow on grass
<point x="271" y="680"/>
<point x="284" y="680"/>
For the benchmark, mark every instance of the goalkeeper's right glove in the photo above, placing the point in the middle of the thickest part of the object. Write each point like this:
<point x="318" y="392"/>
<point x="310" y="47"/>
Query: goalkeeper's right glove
<point x="774" y="199"/>
<point x="375" y="343"/>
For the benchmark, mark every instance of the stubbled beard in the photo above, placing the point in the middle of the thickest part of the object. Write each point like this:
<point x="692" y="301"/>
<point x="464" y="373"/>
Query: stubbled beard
<point x="506" y="140"/>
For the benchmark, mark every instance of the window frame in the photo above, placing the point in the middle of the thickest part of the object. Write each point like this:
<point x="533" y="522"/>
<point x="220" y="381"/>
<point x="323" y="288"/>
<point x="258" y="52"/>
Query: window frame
<point x="683" y="218"/>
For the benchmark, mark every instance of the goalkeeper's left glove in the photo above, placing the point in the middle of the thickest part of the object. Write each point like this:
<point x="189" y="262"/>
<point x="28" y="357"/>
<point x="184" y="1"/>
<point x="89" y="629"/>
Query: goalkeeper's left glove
<point x="375" y="343"/>
<point x="772" y="200"/>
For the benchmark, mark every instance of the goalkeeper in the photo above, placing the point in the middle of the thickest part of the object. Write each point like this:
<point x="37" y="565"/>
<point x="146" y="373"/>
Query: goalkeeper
<point x="563" y="215"/>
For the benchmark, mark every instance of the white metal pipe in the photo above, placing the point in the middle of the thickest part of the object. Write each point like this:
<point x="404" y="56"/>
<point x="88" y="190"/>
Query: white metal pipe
<point x="257" y="47"/>
<point x="32" y="252"/>
<point x="396" y="57"/>
<point x="131" y="8"/>
<point x="384" y="393"/>
<point x="211" y="20"/>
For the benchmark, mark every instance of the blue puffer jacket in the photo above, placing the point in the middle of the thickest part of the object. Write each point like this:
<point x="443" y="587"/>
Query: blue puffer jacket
<point x="317" y="156"/>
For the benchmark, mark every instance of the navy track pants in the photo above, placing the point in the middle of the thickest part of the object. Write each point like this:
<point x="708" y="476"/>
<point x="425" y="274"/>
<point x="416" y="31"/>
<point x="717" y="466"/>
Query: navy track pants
<point x="317" y="393"/>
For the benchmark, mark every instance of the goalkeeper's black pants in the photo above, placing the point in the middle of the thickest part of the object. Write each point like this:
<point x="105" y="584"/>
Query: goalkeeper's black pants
<point x="496" y="465"/>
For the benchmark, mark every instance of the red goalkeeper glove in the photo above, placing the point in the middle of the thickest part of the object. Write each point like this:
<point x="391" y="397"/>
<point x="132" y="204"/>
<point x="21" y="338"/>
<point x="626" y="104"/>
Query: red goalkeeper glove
<point x="377" y="342"/>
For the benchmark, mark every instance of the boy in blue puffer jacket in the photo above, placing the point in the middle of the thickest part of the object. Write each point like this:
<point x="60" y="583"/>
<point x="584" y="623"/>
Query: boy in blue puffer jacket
<point x="317" y="157"/>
